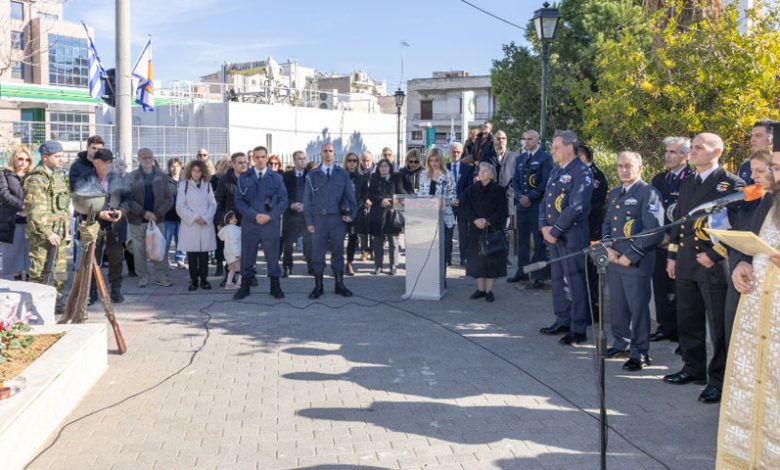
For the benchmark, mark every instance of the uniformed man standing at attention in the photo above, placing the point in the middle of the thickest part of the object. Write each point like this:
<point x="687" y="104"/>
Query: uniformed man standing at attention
<point x="532" y="169"/>
<point x="563" y="218"/>
<point x="632" y="207"/>
<point x="46" y="202"/>
<point x="698" y="266"/>
<point x="668" y="184"/>
<point x="261" y="198"/>
<point x="329" y="203"/>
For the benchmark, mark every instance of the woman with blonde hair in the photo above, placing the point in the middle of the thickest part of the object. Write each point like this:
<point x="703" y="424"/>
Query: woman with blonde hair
<point x="437" y="181"/>
<point x="13" y="243"/>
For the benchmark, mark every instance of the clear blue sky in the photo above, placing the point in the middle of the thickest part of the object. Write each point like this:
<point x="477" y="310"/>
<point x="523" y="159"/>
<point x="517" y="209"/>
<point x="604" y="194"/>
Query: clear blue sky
<point x="193" y="37"/>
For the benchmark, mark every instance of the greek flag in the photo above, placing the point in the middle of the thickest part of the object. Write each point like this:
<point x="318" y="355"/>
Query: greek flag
<point x="96" y="71"/>
<point x="141" y="77"/>
<point x="452" y="131"/>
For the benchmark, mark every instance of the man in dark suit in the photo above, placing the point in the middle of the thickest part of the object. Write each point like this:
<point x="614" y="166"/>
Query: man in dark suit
<point x="453" y="166"/>
<point x="261" y="198"/>
<point x="465" y="173"/>
<point x="668" y="184"/>
<point x="563" y="218"/>
<point x="293" y="224"/>
<point x="483" y="144"/>
<point x="700" y="271"/>
<point x="532" y="169"/>
<point x="632" y="207"/>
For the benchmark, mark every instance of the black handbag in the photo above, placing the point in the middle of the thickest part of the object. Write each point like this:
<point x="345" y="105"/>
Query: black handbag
<point x="397" y="220"/>
<point x="492" y="242"/>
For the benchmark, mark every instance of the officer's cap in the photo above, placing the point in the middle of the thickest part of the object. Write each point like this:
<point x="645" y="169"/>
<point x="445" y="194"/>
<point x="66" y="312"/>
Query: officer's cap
<point x="104" y="154"/>
<point x="49" y="147"/>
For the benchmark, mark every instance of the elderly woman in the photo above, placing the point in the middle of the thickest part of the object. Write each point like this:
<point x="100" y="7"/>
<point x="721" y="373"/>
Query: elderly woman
<point x="437" y="181"/>
<point x="14" y="246"/>
<point x="485" y="208"/>
<point x="196" y="206"/>
<point x="382" y="186"/>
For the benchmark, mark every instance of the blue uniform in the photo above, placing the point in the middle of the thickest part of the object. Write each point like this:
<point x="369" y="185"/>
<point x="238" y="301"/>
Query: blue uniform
<point x="327" y="198"/>
<point x="566" y="207"/>
<point x="630" y="212"/>
<point x="531" y="173"/>
<point x="745" y="172"/>
<point x="254" y="196"/>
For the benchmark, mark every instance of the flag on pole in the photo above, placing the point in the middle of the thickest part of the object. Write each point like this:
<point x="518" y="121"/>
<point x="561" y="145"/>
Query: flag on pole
<point x="96" y="71"/>
<point x="452" y="130"/>
<point x="141" y="76"/>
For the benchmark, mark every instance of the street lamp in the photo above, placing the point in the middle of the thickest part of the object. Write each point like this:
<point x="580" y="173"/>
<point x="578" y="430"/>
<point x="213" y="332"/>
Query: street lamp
<point x="399" y="102"/>
<point x="546" y="22"/>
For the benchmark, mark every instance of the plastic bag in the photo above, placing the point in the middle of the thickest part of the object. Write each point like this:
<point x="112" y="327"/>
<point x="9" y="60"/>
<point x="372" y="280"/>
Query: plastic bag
<point x="155" y="243"/>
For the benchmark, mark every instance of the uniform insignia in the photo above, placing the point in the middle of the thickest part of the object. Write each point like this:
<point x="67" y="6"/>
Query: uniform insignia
<point x="532" y="180"/>
<point x="588" y="179"/>
<point x="534" y="163"/>
<point x="559" y="203"/>
<point x="653" y="207"/>
<point x="723" y="186"/>
<point x="698" y="229"/>
<point x="628" y="227"/>
<point x="631" y="202"/>
<point x="565" y="179"/>
<point x="670" y="211"/>
<point x="596" y="184"/>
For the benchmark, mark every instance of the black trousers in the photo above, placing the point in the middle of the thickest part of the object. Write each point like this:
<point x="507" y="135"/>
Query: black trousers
<point x="448" y="233"/>
<point x="199" y="265"/>
<point x="379" y="249"/>
<point x="463" y="227"/>
<point x="664" y="295"/>
<point x="219" y="253"/>
<point x="108" y="244"/>
<point x="352" y="242"/>
<point x="730" y="312"/>
<point x="700" y="302"/>
<point x="293" y="227"/>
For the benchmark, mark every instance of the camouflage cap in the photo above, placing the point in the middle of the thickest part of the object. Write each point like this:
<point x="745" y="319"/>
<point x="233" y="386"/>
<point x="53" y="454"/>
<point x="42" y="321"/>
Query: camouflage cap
<point x="49" y="147"/>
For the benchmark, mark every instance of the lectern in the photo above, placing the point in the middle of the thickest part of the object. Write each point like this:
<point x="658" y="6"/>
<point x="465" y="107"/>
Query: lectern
<point x="424" y="240"/>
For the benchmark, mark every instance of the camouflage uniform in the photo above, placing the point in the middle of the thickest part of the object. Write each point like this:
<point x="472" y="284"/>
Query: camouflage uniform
<point x="46" y="200"/>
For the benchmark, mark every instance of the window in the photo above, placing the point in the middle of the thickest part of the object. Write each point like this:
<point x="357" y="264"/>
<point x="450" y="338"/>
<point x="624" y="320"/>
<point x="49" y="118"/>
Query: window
<point x="17" y="40"/>
<point x="426" y="109"/>
<point x="70" y="127"/>
<point x="48" y="16"/>
<point x="17" y="11"/>
<point x="68" y="61"/>
<point x="17" y="70"/>
<point x="416" y="135"/>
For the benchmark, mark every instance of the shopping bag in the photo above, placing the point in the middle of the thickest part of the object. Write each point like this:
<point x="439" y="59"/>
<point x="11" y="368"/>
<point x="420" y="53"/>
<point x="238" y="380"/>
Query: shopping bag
<point x="155" y="243"/>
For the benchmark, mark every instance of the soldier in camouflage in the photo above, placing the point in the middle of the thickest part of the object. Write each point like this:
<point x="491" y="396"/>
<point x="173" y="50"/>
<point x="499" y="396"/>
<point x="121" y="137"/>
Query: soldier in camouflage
<point x="46" y="201"/>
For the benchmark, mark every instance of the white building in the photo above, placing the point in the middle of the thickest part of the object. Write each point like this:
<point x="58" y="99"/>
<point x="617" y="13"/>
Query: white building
<point x="438" y="101"/>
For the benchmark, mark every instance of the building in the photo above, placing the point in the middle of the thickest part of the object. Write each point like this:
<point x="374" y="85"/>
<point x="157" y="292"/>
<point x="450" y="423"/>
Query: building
<point x="438" y="102"/>
<point x="44" y="74"/>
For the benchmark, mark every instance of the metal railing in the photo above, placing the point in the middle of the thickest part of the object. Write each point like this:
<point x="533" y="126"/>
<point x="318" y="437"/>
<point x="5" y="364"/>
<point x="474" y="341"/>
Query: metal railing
<point x="165" y="141"/>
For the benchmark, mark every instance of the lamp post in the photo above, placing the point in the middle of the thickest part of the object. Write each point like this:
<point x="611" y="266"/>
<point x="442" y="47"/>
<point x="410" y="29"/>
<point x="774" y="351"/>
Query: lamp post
<point x="399" y="102"/>
<point x="546" y="22"/>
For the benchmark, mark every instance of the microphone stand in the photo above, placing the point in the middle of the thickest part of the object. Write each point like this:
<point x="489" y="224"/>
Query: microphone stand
<point x="597" y="252"/>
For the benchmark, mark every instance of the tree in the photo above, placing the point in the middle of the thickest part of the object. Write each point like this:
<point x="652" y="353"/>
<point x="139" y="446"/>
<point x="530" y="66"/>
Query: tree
<point x="516" y="78"/>
<point x="681" y="74"/>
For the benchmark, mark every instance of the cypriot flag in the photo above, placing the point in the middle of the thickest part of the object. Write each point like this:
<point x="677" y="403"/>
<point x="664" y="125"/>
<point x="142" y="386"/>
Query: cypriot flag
<point x="142" y="78"/>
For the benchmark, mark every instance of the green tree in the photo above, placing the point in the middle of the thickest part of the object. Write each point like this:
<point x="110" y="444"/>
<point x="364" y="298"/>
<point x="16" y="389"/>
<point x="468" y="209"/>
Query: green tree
<point x="516" y="78"/>
<point x="681" y="74"/>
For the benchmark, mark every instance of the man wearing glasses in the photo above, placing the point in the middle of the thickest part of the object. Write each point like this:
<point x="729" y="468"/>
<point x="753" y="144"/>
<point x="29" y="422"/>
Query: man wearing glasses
<point x="203" y="154"/>
<point x="387" y="154"/>
<point x="293" y="225"/>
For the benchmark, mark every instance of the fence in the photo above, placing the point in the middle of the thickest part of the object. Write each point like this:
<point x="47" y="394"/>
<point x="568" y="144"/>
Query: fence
<point x="165" y="141"/>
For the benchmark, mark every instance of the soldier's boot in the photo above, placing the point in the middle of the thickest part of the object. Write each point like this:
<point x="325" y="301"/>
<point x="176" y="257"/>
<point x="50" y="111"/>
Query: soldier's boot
<point x="276" y="289"/>
<point x="341" y="289"/>
<point x="243" y="291"/>
<point x="318" y="290"/>
<point x="116" y="295"/>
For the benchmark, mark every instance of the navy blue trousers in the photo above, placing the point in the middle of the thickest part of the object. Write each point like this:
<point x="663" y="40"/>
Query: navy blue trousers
<point x="252" y="235"/>
<point x="328" y="229"/>
<point x="570" y="292"/>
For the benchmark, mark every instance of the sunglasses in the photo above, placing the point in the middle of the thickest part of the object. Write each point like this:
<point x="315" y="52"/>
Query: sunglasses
<point x="351" y="160"/>
<point x="413" y="162"/>
<point x="203" y="155"/>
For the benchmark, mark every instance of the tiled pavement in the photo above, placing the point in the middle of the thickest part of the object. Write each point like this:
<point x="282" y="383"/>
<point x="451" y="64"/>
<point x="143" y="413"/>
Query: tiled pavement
<point x="355" y="383"/>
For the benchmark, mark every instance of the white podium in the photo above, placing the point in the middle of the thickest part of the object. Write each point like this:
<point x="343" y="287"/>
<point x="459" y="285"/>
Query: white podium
<point x="423" y="237"/>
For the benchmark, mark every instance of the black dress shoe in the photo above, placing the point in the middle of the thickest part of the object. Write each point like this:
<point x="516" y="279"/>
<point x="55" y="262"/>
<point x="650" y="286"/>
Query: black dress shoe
<point x="710" y="394"/>
<point x="489" y="297"/>
<point x="682" y="378"/>
<point x="537" y="284"/>
<point x="660" y="336"/>
<point x="573" y="338"/>
<point x="634" y="364"/>
<point x="517" y="278"/>
<point x="554" y="330"/>
<point x="117" y="297"/>
<point x="615" y="352"/>
<point x="193" y="286"/>
<point x="205" y="285"/>
<point x="478" y="294"/>
<point x="253" y="281"/>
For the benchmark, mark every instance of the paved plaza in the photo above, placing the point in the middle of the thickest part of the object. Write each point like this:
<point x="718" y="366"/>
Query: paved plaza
<point x="369" y="382"/>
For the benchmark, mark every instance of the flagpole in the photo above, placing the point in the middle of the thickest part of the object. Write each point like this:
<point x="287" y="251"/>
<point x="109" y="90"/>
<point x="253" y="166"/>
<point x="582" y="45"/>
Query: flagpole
<point x="124" y="116"/>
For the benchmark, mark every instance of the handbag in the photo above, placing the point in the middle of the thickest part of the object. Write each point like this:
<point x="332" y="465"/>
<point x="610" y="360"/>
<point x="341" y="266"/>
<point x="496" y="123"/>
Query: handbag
<point x="491" y="243"/>
<point x="397" y="220"/>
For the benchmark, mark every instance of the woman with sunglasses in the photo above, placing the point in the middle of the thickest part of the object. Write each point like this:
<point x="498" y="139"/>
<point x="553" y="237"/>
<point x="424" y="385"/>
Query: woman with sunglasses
<point x="411" y="172"/>
<point x="275" y="163"/>
<point x="357" y="180"/>
<point x="13" y="220"/>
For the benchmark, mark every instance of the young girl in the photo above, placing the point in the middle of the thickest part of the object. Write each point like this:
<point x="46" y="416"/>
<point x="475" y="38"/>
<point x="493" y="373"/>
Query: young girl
<point x="231" y="235"/>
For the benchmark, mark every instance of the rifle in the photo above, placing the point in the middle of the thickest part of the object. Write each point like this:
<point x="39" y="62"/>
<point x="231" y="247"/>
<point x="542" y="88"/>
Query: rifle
<point x="48" y="266"/>
<point x="105" y="299"/>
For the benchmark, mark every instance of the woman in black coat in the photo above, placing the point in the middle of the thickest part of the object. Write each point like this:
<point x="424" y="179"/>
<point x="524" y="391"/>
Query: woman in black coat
<point x="382" y="186"/>
<point x="485" y="207"/>
<point x="351" y="165"/>
<point x="14" y="247"/>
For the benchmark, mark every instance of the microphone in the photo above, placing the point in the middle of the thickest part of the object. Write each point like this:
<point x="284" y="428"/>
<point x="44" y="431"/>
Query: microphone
<point x="748" y="193"/>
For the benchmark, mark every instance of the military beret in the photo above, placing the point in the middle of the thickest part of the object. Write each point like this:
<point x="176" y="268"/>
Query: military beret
<point x="104" y="154"/>
<point x="49" y="147"/>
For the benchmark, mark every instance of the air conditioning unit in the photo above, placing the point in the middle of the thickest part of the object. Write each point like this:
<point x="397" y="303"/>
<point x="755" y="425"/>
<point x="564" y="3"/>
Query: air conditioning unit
<point x="328" y="100"/>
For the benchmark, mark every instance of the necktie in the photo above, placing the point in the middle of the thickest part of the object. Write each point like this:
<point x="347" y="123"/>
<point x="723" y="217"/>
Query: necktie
<point x="697" y="182"/>
<point x="622" y="192"/>
<point x="259" y="175"/>
<point x="327" y="172"/>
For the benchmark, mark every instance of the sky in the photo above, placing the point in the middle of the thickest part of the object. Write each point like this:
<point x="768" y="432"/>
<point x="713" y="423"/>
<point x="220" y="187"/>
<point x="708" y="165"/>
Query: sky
<point x="194" y="37"/>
